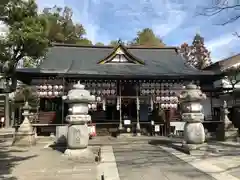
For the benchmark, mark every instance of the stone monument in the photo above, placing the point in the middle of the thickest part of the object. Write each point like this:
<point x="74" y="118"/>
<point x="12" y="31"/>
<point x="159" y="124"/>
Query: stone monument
<point x="25" y="136"/>
<point x="192" y="114"/>
<point x="77" y="136"/>
<point x="226" y="130"/>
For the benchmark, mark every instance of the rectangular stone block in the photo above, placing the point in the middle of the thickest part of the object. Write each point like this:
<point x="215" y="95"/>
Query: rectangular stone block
<point x="61" y="134"/>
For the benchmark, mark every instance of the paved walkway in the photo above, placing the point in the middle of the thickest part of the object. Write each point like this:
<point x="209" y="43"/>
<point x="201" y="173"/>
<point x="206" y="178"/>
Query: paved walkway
<point x="123" y="159"/>
<point x="144" y="162"/>
<point x="39" y="163"/>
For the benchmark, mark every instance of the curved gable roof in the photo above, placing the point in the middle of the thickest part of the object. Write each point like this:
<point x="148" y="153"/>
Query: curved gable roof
<point x="84" y="60"/>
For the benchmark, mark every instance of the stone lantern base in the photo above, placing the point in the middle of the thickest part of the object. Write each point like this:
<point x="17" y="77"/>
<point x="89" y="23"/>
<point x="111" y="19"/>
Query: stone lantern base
<point x="83" y="155"/>
<point x="194" y="133"/>
<point x="25" y="135"/>
<point x="227" y="133"/>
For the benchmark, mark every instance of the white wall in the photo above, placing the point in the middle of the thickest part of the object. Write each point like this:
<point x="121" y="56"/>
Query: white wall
<point x="225" y="84"/>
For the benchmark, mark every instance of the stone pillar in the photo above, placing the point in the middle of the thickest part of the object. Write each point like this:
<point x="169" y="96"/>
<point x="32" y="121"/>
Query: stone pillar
<point x="77" y="136"/>
<point x="191" y="110"/>
<point x="25" y="135"/>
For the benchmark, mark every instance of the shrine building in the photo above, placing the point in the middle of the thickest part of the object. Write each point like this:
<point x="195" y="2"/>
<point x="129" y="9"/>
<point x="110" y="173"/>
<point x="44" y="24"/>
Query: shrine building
<point x="129" y="83"/>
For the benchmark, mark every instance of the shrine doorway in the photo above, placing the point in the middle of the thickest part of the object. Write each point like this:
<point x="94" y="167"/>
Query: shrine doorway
<point x="129" y="108"/>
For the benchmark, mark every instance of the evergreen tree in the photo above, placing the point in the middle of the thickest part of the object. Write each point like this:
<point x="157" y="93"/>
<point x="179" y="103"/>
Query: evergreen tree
<point x="27" y="37"/>
<point x="197" y="54"/>
<point x="147" y="38"/>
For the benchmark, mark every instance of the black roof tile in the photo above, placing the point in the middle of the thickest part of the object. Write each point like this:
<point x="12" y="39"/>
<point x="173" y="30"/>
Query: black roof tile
<point x="83" y="60"/>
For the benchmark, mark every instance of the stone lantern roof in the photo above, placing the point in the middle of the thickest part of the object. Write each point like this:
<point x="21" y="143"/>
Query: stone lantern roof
<point x="78" y="94"/>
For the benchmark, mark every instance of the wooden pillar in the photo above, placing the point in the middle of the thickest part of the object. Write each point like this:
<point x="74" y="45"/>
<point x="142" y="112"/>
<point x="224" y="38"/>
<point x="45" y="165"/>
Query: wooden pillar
<point x="138" y="128"/>
<point x="7" y="111"/>
<point x="63" y="83"/>
<point x="120" y="106"/>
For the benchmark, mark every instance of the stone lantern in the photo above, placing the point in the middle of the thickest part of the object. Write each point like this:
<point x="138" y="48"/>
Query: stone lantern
<point x="226" y="129"/>
<point x="191" y="110"/>
<point x="77" y="136"/>
<point x="25" y="135"/>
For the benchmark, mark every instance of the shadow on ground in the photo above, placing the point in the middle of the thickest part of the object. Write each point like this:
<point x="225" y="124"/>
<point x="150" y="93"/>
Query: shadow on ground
<point x="215" y="150"/>
<point x="144" y="159"/>
<point x="9" y="161"/>
<point x="58" y="147"/>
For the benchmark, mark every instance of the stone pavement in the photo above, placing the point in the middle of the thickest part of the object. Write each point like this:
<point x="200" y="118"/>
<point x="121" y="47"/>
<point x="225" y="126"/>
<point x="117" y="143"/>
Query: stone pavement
<point x="123" y="159"/>
<point x="144" y="161"/>
<point x="41" y="163"/>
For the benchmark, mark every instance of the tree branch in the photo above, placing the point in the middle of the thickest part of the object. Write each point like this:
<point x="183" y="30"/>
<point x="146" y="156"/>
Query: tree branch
<point x="236" y="34"/>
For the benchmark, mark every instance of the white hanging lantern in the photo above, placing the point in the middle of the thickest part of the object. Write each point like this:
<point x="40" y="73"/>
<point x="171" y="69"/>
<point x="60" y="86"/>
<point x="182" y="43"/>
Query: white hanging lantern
<point x="45" y="87"/>
<point x="94" y="106"/>
<point x="44" y="93"/>
<point x="112" y="91"/>
<point x="158" y="98"/>
<point x="50" y="93"/>
<point x="61" y="87"/>
<point x="98" y="99"/>
<point x="56" y="93"/>
<point x="162" y="106"/>
<point x="112" y="84"/>
<point x="56" y="87"/>
<point x="167" y="106"/>
<point x="50" y="87"/>
<point x="167" y="98"/>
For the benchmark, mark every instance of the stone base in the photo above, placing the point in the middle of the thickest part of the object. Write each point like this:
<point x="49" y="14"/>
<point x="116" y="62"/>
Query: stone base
<point x="138" y="132"/>
<point x="22" y="139"/>
<point x="231" y="134"/>
<point x="191" y="149"/>
<point x="194" y="133"/>
<point x="83" y="155"/>
<point x="125" y="135"/>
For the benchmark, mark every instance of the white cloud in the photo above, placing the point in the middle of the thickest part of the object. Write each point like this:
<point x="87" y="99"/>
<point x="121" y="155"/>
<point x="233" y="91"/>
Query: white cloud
<point x="222" y="47"/>
<point x="220" y="41"/>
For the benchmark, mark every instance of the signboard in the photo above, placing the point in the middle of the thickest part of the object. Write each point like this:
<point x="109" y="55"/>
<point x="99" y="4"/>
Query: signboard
<point x="127" y="122"/>
<point x="157" y="128"/>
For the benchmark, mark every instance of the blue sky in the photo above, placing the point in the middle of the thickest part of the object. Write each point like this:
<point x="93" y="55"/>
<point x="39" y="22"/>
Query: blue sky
<point x="175" y="21"/>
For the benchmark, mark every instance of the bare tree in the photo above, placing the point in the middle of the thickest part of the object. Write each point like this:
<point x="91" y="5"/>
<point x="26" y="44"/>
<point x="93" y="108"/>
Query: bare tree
<point x="222" y="6"/>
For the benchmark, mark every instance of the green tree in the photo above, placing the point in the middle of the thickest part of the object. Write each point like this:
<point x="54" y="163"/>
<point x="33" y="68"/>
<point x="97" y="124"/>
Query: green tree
<point x="147" y="38"/>
<point x="197" y="54"/>
<point x="62" y="29"/>
<point x="99" y="44"/>
<point x="3" y="3"/>
<point x="114" y="43"/>
<point x="84" y="41"/>
<point x="27" y="37"/>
